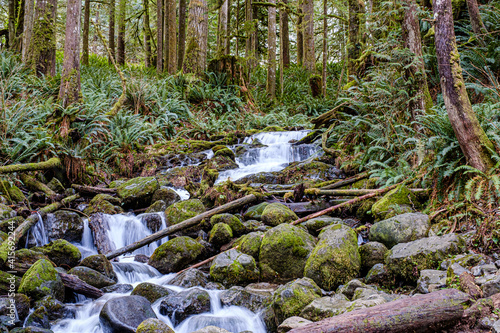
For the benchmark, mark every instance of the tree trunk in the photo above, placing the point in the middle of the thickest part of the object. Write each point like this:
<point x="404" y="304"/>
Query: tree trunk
<point x="250" y="34"/>
<point x="222" y="29"/>
<point x="120" y="56"/>
<point x="197" y="32"/>
<point x="111" y="36"/>
<point x="99" y="226"/>
<point x="271" y="51"/>
<point x="325" y="47"/>
<point x="15" y="23"/>
<point x="42" y="52"/>
<point x="308" y="24"/>
<point x="171" y="39"/>
<point x="86" y="28"/>
<point x="284" y="36"/>
<point x="473" y="141"/>
<point x="147" y="34"/>
<point x="70" y="90"/>
<point x="159" y="36"/>
<point x="421" y="100"/>
<point x="356" y="36"/>
<point x="74" y="283"/>
<point x="181" y="47"/>
<point x="29" y="17"/>
<point x="475" y="19"/>
<point x="300" y="34"/>
<point x="52" y="163"/>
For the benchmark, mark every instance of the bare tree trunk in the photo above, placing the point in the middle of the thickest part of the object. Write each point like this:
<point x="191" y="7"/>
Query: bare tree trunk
<point x="42" y="52"/>
<point x="222" y="28"/>
<point x="197" y="37"/>
<point x="475" y="19"/>
<point x="251" y="33"/>
<point x="29" y="17"/>
<point x="120" y="56"/>
<point x="325" y="47"/>
<point x="147" y="34"/>
<point x="159" y="36"/>
<point x="111" y="37"/>
<point x="411" y="35"/>
<point x="271" y="52"/>
<point x="300" y="34"/>
<point x="308" y="24"/>
<point x="165" y="35"/>
<point x="181" y="47"/>
<point x="70" y="91"/>
<point x="473" y="141"/>
<point x="356" y="36"/>
<point x="86" y="28"/>
<point x="171" y="37"/>
<point x="284" y="36"/>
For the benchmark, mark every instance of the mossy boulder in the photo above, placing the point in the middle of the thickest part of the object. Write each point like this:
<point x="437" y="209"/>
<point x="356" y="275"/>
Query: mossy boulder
<point x="231" y="220"/>
<point x="157" y="206"/>
<point x="42" y="280"/>
<point x="234" y="267"/>
<point x="378" y="274"/>
<point x="6" y="212"/>
<point x="276" y="213"/>
<point x="6" y="281"/>
<point x="406" y="260"/>
<point x="61" y="252"/>
<point x="99" y="263"/>
<point x="400" y="196"/>
<point x="284" y="251"/>
<point x="190" y="278"/>
<point x="220" y="234"/>
<point x="24" y="259"/>
<point x="309" y="170"/>
<point x="248" y="298"/>
<point x="255" y="212"/>
<point x="400" y="229"/>
<point x="124" y="314"/>
<point x="291" y="298"/>
<point x="316" y="224"/>
<point x="92" y="277"/>
<point x="12" y="192"/>
<point x="102" y="206"/>
<point x="335" y="259"/>
<point x="325" y="307"/>
<point x="63" y="224"/>
<point x="151" y="291"/>
<point x="48" y="310"/>
<point x="175" y="254"/>
<point x="372" y="253"/>
<point x="188" y="302"/>
<point x="183" y="210"/>
<point x="137" y="192"/>
<point x="250" y="244"/>
<point x="109" y="198"/>
<point x="153" y="325"/>
<point x="167" y="195"/>
<point x="221" y="163"/>
<point x="223" y="151"/>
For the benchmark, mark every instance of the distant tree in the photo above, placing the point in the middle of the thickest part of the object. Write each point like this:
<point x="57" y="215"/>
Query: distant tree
<point x="308" y="33"/>
<point x="271" y="51"/>
<point x="120" y="54"/>
<point x="111" y="36"/>
<point x="86" y="30"/>
<point x="181" y="37"/>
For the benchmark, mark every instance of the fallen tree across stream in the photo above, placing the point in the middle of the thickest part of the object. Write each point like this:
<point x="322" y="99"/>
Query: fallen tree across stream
<point x="74" y="283"/>
<point x="54" y="162"/>
<point x="337" y="193"/>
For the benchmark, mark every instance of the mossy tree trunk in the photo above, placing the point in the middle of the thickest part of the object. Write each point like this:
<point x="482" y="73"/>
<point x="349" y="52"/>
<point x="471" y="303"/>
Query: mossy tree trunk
<point x="171" y="39"/>
<point x="42" y="47"/>
<point x="111" y="35"/>
<point x="325" y="47"/>
<point x="421" y="100"/>
<point x="147" y="35"/>
<point x="29" y="17"/>
<point x="284" y="35"/>
<point x="251" y="34"/>
<point x="472" y="139"/>
<point x="308" y="24"/>
<point x="271" y="51"/>
<point x="197" y="37"/>
<point x="357" y="22"/>
<point x="159" y="36"/>
<point x="181" y="47"/>
<point x="70" y="90"/>
<point x="222" y="29"/>
<point x="15" y="24"/>
<point x="120" y="54"/>
<point x="300" y="35"/>
<point x="86" y="28"/>
<point x="475" y="19"/>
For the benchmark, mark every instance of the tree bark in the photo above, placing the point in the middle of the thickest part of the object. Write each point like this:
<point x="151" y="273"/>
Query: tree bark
<point x="197" y="32"/>
<point x="222" y="29"/>
<point x="271" y="51"/>
<point x="35" y="185"/>
<point x="284" y="36"/>
<point x="92" y="190"/>
<point x="42" y="52"/>
<point x="147" y="34"/>
<point x="86" y="28"/>
<point x="99" y="226"/>
<point x="251" y="30"/>
<point x="181" y="47"/>
<point x="325" y="47"/>
<point x="111" y="36"/>
<point x="308" y="24"/>
<point x="421" y="101"/>
<point x="15" y="23"/>
<point x="29" y="17"/>
<point x="54" y="162"/>
<point x="70" y="90"/>
<point x="472" y="139"/>
<point x="120" y="56"/>
<point x="171" y="39"/>
<point x="159" y="36"/>
<point x="475" y="19"/>
<point x="300" y="34"/>
<point x="74" y="283"/>
<point x="356" y="36"/>
<point x="423" y="313"/>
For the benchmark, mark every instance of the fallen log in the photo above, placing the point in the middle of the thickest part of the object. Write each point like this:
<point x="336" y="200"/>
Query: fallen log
<point x="35" y="185"/>
<point x="468" y="284"/>
<point x="74" y="283"/>
<point x="93" y="190"/>
<point x="54" y="162"/>
<point x="310" y="207"/>
<point x="99" y="226"/>
<point x="423" y="313"/>
<point x="183" y="225"/>
<point x="19" y="232"/>
<point x="347" y="181"/>
<point x="337" y="193"/>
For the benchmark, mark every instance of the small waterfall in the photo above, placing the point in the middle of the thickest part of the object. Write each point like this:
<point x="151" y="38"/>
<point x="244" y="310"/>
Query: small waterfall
<point x="132" y="272"/>
<point x="38" y="233"/>
<point x="86" y="246"/>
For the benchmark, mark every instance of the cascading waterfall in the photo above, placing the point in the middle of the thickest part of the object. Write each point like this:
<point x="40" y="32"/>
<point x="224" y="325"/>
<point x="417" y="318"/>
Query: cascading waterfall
<point x="38" y="234"/>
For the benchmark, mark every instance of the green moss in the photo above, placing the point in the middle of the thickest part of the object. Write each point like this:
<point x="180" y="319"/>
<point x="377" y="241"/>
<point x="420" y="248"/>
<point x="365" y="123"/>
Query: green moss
<point x="175" y="254"/>
<point x="61" y="252"/>
<point x="236" y="226"/>
<point x="255" y="212"/>
<point x="220" y="234"/>
<point x="291" y="298"/>
<point x="399" y="196"/>
<point x="11" y="191"/>
<point x="152" y="292"/>
<point x="183" y="210"/>
<point x="137" y="192"/>
<point x="234" y="267"/>
<point x="250" y="243"/>
<point x="276" y="213"/>
<point x="273" y="129"/>
<point x="42" y="280"/>
<point x="226" y="152"/>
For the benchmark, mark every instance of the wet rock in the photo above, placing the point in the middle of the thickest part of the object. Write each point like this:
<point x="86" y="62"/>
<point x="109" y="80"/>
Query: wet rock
<point x="151" y="291"/>
<point x="48" y="310"/>
<point x="7" y="282"/>
<point x="284" y="251"/>
<point x="372" y="253"/>
<point x="250" y="244"/>
<point x="137" y="192"/>
<point x="276" y="213"/>
<point x="125" y="314"/>
<point x="98" y="262"/>
<point x="19" y="303"/>
<point x="236" y="225"/>
<point x="350" y="287"/>
<point x="220" y="234"/>
<point x="325" y="307"/>
<point x="141" y="258"/>
<point x="185" y="303"/>
<point x="61" y="252"/>
<point x="191" y="278"/>
<point x="42" y="280"/>
<point x="30" y="329"/>
<point x="291" y="323"/>
<point x="223" y="151"/>
<point x="400" y="196"/>
<point x="183" y="210"/>
<point x="221" y="163"/>
<point x="25" y="258"/>
<point x="291" y="298"/>
<point x="153" y="325"/>
<point x="157" y="206"/>
<point x="64" y="225"/>
<point x="491" y="286"/>
<point x="152" y="221"/>
<point x="335" y="259"/>
<point x="400" y="229"/>
<point x="175" y="254"/>
<point x="466" y="260"/>
<point x="260" y="177"/>
<point x="104" y="203"/>
<point x="92" y="277"/>
<point x="255" y="212"/>
<point x="378" y="274"/>
<point x="431" y="280"/>
<point x="6" y="212"/>
<point x="309" y="170"/>
<point x="211" y="329"/>
<point x="118" y="288"/>
<point x="314" y="225"/>
<point x="254" y="225"/>
<point x="233" y="267"/>
<point x="247" y="298"/>
<point x="167" y="195"/>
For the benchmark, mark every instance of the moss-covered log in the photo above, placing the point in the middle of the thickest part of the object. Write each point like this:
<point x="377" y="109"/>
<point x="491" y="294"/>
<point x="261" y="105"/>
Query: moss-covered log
<point x="74" y="283"/>
<point x="36" y="185"/>
<point x="50" y="164"/>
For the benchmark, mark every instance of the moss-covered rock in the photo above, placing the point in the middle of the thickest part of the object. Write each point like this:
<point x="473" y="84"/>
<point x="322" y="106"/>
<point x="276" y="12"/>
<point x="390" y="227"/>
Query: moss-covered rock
<point x="325" y="307"/>
<point x="102" y="206"/>
<point x="309" y="170"/>
<point x="7" y="281"/>
<point x="250" y="244"/>
<point x="63" y="224"/>
<point x="378" y="274"/>
<point x="223" y="151"/>
<point x="400" y="229"/>
<point x="151" y="291"/>
<point x="291" y="298"/>
<point x="61" y="252"/>
<point x="42" y="280"/>
<point x="157" y="206"/>
<point x="6" y="212"/>
<point x="92" y="277"/>
<point x="314" y="225"/>
<point x="11" y="192"/>
<point x="335" y="259"/>
<point x="190" y="278"/>
<point x="24" y="259"/>
<point x="188" y="302"/>
<point x="406" y="260"/>
<point x="276" y="213"/>
<point x="153" y="325"/>
<point x="183" y="210"/>
<point x="372" y="253"/>
<point x="137" y="192"/>
<point x="400" y="196"/>
<point x="48" y="310"/>
<point x="284" y="251"/>
<point x="109" y="198"/>
<point x="236" y="225"/>
<point x="222" y="162"/>
<point x="234" y="267"/>
<point x="168" y="195"/>
<point x="220" y="234"/>
<point x="98" y="262"/>
<point x="21" y="305"/>
<point x="255" y="212"/>
<point x="249" y="297"/>
<point x="175" y="254"/>
<point x="56" y="185"/>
